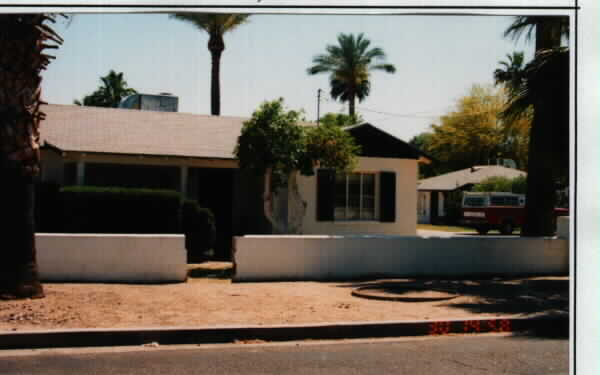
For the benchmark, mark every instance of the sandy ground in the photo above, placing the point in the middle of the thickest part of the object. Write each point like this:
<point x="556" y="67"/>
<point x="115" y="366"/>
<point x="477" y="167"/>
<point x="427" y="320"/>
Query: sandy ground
<point x="209" y="298"/>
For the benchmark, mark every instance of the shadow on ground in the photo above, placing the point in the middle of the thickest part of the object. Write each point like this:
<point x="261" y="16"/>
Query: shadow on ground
<point x="211" y="270"/>
<point x="547" y="297"/>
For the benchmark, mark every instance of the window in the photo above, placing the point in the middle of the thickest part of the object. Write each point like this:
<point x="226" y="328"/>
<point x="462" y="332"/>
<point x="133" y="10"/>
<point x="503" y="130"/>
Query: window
<point x="474" y="202"/>
<point x="354" y="196"/>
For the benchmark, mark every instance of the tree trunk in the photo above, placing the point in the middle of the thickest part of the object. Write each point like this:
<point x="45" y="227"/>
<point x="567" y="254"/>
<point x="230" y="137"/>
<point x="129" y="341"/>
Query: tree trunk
<point x="351" y="104"/>
<point x="284" y="208"/>
<point x="216" y="46"/>
<point x="18" y="270"/>
<point x="541" y="176"/>
<point x="23" y="37"/>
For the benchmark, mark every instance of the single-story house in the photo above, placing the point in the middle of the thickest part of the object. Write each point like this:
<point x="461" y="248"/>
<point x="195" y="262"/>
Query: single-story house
<point x="433" y="191"/>
<point x="193" y="154"/>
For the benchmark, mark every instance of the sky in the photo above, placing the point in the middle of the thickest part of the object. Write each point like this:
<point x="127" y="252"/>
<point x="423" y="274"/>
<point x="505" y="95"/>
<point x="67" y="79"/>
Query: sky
<point x="437" y="59"/>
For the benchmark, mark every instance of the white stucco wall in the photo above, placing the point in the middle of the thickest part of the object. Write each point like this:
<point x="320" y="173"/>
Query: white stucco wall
<point x="111" y="257"/>
<point x="347" y="257"/>
<point x="406" y="201"/>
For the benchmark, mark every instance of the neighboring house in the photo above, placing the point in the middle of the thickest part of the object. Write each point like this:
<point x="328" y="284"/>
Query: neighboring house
<point x="193" y="154"/>
<point x="433" y="191"/>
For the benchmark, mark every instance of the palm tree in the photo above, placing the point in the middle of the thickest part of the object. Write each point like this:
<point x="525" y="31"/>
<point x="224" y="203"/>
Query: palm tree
<point x="23" y="39"/>
<point x="511" y="72"/>
<point x="216" y="25"/>
<point x="349" y="64"/>
<point x="113" y="90"/>
<point x="545" y="88"/>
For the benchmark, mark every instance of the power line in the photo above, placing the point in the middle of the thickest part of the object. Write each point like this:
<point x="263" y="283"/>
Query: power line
<point x="421" y="114"/>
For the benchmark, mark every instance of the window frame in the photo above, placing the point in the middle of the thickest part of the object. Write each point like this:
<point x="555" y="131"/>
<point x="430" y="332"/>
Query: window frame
<point x="361" y="197"/>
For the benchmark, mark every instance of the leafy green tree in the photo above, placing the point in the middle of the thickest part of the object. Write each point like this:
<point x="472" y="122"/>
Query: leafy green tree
<point x="215" y="25"/>
<point x="272" y="144"/>
<point x="24" y="40"/>
<point x="474" y="134"/>
<point x="340" y="119"/>
<point x="113" y="89"/>
<point x="545" y="92"/>
<point x="423" y="141"/>
<point x="349" y="64"/>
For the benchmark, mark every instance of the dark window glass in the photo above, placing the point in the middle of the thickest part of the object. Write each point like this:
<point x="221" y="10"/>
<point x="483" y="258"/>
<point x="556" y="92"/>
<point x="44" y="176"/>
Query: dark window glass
<point x="355" y="196"/>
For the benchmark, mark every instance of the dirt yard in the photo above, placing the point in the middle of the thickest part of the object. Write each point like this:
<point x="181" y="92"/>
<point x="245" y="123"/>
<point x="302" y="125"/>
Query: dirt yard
<point x="209" y="298"/>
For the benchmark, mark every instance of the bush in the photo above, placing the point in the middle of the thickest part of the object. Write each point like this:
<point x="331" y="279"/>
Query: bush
<point x="198" y="224"/>
<point x="119" y="210"/>
<point x="500" y="184"/>
<point x="47" y="207"/>
<point x="517" y="185"/>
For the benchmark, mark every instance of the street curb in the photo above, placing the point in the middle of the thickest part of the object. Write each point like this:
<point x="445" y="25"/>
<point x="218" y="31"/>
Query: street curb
<point x="547" y="326"/>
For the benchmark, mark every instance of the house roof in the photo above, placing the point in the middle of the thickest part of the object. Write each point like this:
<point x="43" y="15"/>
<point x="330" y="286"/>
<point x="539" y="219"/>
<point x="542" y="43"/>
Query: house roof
<point x="375" y="141"/>
<point x="455" y="180"/>
<point x="95" y="129"/>
<point x="134" y="132"/>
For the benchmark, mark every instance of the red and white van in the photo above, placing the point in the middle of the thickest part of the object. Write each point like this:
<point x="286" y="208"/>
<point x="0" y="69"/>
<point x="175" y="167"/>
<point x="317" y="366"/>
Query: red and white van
<point x="494" y="210"/>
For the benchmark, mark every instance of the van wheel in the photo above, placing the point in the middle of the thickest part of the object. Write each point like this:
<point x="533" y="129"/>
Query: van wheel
<point x="507" y="228"/>
<point x="482" y="230"/>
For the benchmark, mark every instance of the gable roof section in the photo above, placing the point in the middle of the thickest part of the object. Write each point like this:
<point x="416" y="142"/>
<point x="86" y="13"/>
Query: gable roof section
<point x="127" y="131"/>
<point x="74" y="128"/>
<point x="454" y="180"/>
<point x="376" y="142"/>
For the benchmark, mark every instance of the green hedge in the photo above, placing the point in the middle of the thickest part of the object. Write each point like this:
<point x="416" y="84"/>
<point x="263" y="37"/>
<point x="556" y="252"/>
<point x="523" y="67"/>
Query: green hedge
<point x="198" y="224"/>
<point x="90" y="209"/>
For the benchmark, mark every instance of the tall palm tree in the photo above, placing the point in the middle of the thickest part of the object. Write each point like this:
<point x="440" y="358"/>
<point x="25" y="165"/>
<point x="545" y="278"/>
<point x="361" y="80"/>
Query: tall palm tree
<point x="23" y="39"/>
<point x="511" y="72"/>
<point x="216" y="25"/>
<point x="349" y="64"/>
<point x="546" y="90"/>
<point x="114" y="88"/>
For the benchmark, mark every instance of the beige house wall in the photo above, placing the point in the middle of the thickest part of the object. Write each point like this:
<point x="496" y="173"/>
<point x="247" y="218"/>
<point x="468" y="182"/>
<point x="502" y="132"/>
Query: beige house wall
<point x="406" y="201"/>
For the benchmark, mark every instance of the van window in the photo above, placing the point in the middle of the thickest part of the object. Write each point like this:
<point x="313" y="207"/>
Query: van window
<point x="474" y="201"/>
<point x="498" y="201"/>
<point x="512" y="201"/>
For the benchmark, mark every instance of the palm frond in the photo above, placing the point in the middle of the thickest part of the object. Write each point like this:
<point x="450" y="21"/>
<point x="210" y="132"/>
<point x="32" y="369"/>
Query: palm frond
<point x="349" y="63"/>
<point x="212" y="22"/>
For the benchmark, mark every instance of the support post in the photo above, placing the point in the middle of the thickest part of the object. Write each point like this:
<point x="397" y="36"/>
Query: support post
<point x="183" y="180"/>
<point x="80" y="172"/>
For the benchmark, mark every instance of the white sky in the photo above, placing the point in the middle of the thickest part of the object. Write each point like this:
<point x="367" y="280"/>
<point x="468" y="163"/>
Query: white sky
<point x="438" y="58"/>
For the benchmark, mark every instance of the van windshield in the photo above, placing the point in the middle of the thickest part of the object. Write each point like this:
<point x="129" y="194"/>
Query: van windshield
<point x="474" y="202"/>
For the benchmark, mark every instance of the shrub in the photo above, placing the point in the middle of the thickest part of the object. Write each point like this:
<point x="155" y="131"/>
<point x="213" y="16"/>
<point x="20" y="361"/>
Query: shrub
<point x="198" y="224"/>
<point x="119" y="210"/>
<point x="517" y="185"/>
<point x="497" y="183"/>
<point x="47" y="207"/>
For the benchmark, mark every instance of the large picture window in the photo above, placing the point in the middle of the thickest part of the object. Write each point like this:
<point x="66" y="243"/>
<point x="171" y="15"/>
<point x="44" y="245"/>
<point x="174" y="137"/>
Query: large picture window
<point x="354" y="196"/>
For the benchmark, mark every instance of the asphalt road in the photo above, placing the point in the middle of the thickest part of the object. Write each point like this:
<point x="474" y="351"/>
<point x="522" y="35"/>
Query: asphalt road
<point x="460" y="355"/>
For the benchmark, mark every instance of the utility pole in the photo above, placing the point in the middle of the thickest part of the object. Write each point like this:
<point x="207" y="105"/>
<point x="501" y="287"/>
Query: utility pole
<point x="318" y="105"/>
